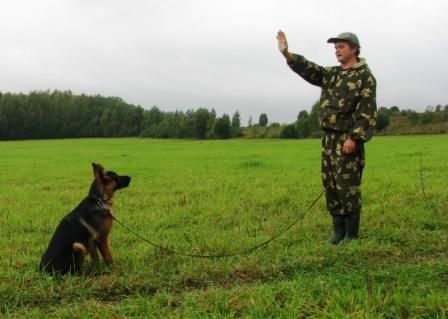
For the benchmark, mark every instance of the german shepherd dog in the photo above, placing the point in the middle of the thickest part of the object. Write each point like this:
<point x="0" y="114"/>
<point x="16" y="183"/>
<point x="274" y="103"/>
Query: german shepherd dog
<point x="86" y="228"/>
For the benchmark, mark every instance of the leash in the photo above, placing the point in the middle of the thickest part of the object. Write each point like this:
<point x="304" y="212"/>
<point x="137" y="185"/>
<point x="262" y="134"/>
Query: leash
<point x="242" y="252"/>
<point x="264" y="243"/>
<point x="422" y="183"/>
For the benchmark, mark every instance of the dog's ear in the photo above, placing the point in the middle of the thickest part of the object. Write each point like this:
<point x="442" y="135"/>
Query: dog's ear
<point x="98" y="172"/>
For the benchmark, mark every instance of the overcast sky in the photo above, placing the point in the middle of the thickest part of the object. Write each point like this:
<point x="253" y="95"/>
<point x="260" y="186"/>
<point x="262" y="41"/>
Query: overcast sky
<point x="181" y="54"/>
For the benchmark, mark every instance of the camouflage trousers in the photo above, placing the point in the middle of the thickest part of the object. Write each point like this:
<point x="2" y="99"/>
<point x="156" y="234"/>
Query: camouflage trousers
<point x="341" y="174"/>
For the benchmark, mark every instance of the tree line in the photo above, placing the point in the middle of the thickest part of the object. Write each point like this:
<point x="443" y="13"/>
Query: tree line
<point x="61" y="114"/>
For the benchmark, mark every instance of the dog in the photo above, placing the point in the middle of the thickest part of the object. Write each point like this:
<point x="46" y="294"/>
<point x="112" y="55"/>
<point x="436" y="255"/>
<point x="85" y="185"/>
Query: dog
<point x="86" y="228"/>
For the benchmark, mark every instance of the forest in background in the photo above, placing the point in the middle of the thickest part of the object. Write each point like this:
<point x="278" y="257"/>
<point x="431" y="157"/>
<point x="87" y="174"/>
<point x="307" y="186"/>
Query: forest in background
<point x="61" y="114"/>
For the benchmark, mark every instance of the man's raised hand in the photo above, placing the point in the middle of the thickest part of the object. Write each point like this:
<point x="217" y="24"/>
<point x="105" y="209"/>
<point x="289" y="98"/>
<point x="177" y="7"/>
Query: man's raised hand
<point x="283" y="45"/>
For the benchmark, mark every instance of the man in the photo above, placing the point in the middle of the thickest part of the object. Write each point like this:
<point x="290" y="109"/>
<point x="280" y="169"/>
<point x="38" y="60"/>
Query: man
<point x="347" y="118"/>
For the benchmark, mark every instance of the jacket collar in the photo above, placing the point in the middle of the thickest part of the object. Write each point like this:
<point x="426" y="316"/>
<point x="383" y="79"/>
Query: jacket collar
<point x="359" y="64"/>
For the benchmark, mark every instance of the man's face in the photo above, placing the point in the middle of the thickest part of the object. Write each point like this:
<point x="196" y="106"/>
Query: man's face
<point x="344" y="52"/>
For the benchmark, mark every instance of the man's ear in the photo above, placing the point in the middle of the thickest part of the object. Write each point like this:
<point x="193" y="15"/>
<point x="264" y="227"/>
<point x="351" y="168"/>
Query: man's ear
<point x="98" y="172"/>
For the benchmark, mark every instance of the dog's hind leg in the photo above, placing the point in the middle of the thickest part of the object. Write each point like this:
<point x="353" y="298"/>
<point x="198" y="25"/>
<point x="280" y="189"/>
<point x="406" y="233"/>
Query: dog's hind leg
<point x="80" y="252"/>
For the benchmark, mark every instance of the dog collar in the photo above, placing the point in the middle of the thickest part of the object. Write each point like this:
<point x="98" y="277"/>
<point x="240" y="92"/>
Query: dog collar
<point x="101" y="204"/>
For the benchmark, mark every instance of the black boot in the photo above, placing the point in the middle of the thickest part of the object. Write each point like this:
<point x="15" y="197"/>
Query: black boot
<point x="351" y="226"/>
<point x="338" y="229"/>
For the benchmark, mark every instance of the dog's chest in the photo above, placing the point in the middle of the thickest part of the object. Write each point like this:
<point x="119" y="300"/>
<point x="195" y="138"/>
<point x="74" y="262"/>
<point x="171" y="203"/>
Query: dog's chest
<point x="98" y="225"/>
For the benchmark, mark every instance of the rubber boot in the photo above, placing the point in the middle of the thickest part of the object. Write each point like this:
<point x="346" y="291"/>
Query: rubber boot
<point x="338" y="229"/>
<point x="351" y="226"/>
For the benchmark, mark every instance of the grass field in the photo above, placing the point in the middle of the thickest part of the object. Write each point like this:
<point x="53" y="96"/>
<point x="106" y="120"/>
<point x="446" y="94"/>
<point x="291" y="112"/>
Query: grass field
<point x="221" y="197"/>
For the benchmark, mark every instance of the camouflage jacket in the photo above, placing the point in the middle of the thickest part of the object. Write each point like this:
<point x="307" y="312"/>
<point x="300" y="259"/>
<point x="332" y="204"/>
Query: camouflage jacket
<point x="348" y="97"/>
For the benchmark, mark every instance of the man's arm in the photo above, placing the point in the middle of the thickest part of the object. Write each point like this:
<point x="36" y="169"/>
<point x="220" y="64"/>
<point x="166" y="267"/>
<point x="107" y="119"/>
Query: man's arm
<point x="309" y="71"/>
<point x="365" y="113"/>
<point x="365" y="116"/>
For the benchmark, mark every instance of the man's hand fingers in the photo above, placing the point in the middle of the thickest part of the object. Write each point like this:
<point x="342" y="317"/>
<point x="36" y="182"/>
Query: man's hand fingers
<point x="282" y="43"/>
<point x="281" y="36"/>
<point x="349" y="146"/>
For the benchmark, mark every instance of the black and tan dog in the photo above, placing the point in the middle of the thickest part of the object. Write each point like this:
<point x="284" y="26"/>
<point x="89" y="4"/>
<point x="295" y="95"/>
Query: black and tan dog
<point x="86" y="228"/>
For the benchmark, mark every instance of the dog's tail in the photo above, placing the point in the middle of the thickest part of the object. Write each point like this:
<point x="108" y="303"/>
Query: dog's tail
<point x="80" y="250"/>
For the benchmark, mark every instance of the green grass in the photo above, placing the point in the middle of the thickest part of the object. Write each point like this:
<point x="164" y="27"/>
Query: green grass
<point x="220" y="197"/>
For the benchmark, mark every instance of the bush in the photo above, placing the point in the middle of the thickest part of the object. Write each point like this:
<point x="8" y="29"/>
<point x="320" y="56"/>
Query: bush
<point x="289" y="131"/>
<point x="382" y="121"/>
<point x="426" y="117"/>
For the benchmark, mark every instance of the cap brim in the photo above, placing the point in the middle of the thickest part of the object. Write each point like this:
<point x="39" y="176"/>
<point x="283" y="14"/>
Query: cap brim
<point x="334" y="40"/>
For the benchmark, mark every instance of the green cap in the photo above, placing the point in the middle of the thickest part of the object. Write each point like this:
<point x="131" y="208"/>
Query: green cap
<point x="346" y="36"/>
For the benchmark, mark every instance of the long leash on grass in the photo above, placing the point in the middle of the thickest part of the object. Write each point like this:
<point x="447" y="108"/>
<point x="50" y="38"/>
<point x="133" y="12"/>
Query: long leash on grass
<point x="242" y="252"/>
<point x="429" y="205"/>
<point x="422" y="183"/>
